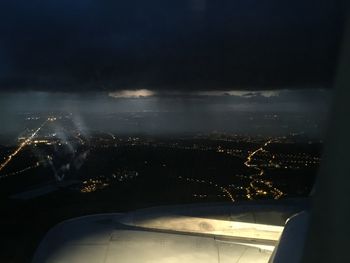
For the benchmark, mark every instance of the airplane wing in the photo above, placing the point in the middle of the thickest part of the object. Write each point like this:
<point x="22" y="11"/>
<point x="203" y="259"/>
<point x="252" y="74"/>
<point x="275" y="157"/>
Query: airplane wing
<point x="246" y="232"/>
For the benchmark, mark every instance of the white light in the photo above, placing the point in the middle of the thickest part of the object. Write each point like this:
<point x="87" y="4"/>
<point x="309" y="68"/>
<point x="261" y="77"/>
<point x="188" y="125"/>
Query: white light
<point x="132" y="93"/>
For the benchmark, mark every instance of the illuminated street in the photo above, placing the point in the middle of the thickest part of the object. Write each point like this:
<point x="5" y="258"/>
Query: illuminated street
<point x="22" y="145"/>
<point x="254" y="189"/>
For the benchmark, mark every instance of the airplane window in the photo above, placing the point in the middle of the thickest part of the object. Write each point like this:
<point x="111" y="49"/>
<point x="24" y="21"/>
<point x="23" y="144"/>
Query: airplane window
<point x="111" y="107"/>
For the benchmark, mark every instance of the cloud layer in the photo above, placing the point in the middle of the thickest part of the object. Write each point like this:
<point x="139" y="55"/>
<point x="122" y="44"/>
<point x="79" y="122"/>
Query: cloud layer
<point x="96" y="45"/>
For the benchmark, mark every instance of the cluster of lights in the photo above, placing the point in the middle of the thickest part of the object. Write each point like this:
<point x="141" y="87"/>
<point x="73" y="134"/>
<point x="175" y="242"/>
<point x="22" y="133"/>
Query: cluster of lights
<point x="93" y="185"/>
<point x="226" y="192"/>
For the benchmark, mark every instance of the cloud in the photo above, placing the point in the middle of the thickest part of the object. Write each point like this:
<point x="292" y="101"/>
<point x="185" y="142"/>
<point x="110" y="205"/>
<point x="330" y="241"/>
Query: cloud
<point x="97" y="45"/>
<point x="240" y="93"/>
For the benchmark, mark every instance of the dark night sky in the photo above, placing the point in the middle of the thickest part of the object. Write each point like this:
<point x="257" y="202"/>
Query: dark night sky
<point x="96" y="45"/>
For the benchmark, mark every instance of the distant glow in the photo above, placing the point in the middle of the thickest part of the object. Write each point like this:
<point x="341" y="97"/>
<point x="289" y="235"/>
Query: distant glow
<point x="140" y="93"/>
<point x="240" y="93"/>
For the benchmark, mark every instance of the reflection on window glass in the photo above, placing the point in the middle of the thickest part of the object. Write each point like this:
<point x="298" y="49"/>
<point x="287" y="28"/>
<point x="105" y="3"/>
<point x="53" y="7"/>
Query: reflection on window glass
<point x="109" y="106"/>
